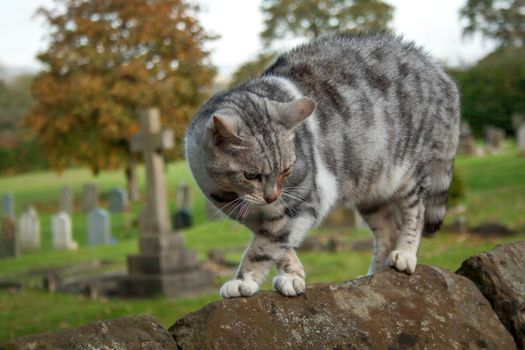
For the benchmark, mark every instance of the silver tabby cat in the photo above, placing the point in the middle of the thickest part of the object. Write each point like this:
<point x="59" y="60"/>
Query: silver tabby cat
<point x="369" y="118"/>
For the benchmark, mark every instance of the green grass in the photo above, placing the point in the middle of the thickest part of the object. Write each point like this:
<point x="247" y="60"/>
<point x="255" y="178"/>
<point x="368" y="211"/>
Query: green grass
<point x="495" y="191"/>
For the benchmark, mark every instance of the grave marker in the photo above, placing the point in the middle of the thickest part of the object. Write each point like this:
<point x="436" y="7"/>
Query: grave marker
<point x="163" y="266"/>
<point x="520" y="135"/>
<point x="494" y="137"/>
<point x="8" y="205"/>
<point x="467" y="145"/>
<point x="65" y="202"/>
<point x="29" y="230"/>
<point x="99" y="227"/>
<point x="61" y="231"/>
<point x="182" y="217"/>
<point x="89" y="197"/>
<point x="118" y="200"/>
<point x="8" y="238"/>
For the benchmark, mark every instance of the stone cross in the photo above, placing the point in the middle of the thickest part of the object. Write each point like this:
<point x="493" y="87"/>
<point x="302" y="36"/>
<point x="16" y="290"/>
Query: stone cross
<point x="65" y="202"/>
<point x="62" y="234"/>
<point x="99" y="227"/>
<point x="8" y="205"/>
<point x="29" y="230"/>
<point x="163" y="266"/>
<point x="151" y="141"/>
<point x="118" y="200"/>
<point x="89" y="197"/>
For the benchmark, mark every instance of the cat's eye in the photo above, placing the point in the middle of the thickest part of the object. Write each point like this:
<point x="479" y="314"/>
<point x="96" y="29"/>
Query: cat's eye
<point x="252" y="176"/>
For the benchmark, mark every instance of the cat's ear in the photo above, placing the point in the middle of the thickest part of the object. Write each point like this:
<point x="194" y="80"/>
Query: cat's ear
<point x="293" y="113"/>
<point x="222" y="130"/>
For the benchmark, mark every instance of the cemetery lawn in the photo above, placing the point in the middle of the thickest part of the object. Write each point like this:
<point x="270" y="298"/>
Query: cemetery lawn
<point x="495" y="191"/>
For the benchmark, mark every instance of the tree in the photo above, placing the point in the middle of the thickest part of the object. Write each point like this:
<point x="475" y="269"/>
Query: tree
<point x="494" y="89"/>
<point x="312" y="18"/>
<point x="105" y="60"/>
<point x="251" y="69"/>
<point x="500" y="20"/>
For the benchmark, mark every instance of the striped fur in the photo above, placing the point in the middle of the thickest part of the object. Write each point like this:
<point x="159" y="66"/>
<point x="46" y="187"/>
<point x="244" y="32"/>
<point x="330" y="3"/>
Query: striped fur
<point x="383" y="133"/>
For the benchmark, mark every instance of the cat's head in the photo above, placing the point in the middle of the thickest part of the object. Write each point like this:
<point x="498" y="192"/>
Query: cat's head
<point x="251" y="146"/>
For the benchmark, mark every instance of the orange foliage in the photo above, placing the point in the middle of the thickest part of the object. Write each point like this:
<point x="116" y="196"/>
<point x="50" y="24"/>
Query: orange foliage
<point x="106" y="59"/>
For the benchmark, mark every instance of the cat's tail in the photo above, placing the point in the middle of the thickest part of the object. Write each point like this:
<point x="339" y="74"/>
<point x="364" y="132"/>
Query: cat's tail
<point x="436" y="197"/>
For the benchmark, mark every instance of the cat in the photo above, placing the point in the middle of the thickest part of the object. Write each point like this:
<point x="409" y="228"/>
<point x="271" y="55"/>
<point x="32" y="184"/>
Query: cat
<point x="368" y="118"/>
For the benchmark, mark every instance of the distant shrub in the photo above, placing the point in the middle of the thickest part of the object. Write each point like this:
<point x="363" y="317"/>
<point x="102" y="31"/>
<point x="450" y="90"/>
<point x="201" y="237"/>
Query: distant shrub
<point x="493" y="90"/>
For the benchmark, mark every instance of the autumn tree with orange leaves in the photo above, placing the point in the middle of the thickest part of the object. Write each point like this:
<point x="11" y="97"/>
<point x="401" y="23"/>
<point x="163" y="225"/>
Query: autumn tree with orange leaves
<point x="105" y="60"/>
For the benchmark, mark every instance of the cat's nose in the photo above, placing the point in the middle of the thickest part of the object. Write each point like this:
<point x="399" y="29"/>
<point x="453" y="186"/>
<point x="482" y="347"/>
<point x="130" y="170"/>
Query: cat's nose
<point x="270" y="199"/>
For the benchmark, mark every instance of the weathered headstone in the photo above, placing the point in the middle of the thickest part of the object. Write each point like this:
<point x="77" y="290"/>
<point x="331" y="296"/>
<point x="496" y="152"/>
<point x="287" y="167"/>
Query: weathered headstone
<point x="520" y="136"/>
<point x="62" y="234"/>
<point x="182" y="217"/>
<point x="8" y="238"/>
<point x="518" y="121"/>
<point x="118" y="200"/>
<point x="467" y="145"/>
<point x="344" y="216"/>
<point x="65" y="202"/>
<point x="163" y="266"/>
<point x="29" y="230"/>
<point x="89" y="197"/>
<point x="99" y="227"/>
<point x="494" y="137"/>
<point x="8" y="205"/>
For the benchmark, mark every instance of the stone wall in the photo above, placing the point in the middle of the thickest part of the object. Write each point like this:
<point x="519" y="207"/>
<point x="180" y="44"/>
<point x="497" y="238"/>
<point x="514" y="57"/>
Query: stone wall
<point x="480" y="307"/>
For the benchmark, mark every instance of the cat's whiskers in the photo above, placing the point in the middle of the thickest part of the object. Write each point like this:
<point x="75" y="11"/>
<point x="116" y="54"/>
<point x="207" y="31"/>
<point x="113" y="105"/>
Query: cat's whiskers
<point x="223" y="209"/>
<point x="286" y="205"/>
<point x="292" y="196"/>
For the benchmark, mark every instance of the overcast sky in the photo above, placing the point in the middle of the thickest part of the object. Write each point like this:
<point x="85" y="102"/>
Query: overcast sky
<point x="433" y="24"/>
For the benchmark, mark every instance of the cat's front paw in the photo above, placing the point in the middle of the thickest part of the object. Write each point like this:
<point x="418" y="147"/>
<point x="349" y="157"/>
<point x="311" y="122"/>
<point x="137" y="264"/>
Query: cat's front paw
<point x="402" y="261"/>
<point x="238" y="288"/>
<point x="289" y="285"/>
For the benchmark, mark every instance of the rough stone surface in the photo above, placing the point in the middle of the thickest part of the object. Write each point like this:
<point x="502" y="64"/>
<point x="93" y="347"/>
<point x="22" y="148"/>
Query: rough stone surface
<point x="126" y="333"/>
<point x="432" y="309"/>
<point x="500" y="275"/>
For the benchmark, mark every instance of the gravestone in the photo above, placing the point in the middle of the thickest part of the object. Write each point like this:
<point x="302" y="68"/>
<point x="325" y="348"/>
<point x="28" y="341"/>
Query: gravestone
<point x="344" y="216"/>
<point x="118" y="200"/>
<point x="163" y="265"/>
<point x="467" y="145"/>
<point x="182" y="217"/>
<point x="494" y="137"/>
<point x="8" y="238"/>
<point x="99" y="227"/>
<point x="520" y="136"/>
<point x="29" y="230"/>
<point x="61" y="231"/>
<point x="65" y="202"/>
<point x="8" y="205"/>
<point x="518" y="121"/>
<point x="89" y="197"/>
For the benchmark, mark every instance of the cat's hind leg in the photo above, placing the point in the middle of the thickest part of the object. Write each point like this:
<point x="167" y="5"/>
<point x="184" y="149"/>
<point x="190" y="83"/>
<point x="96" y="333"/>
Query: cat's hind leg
<point x="383" y="220"/>
<point x="290" y="278"/>
<point x="412" y="209"/>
